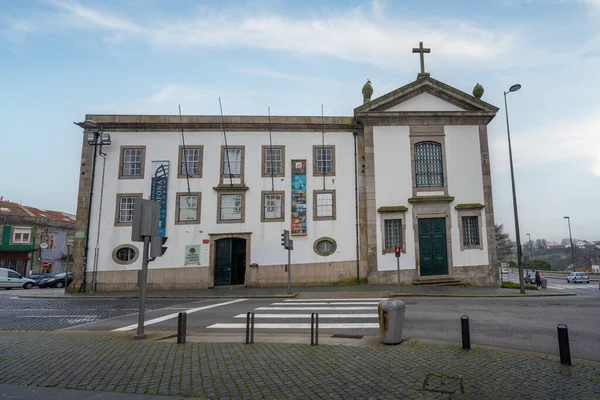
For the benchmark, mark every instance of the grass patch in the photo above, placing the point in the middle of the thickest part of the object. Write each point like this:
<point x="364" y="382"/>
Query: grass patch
<point x="515" y="285"/>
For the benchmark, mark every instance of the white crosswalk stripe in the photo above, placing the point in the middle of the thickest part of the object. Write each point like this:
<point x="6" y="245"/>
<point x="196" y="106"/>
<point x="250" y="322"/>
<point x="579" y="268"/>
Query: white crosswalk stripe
<point x="572" y="286"/>
<point x="349" y="314"/>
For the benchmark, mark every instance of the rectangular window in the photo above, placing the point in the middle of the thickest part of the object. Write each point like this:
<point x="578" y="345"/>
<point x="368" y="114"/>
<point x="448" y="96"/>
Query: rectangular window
<point x="124" y="210"/>
<point x="231" y="208"/>
<point x="132" y="162"/>
<point x="272" y="206"/>
<point x="22" y="235"/>
<point x="273" y="161"/>
<point x="393" y="234"/>
<point x="324" y="204"/>
<point x="324" y="160"/>
<point x="470" y="228"/>
<point x="232" y="161"/>
<point x="429" y="164"/>
<point x="51" y="241"/>
<point x="190" y="162"/>
<point x="188" y="208"/>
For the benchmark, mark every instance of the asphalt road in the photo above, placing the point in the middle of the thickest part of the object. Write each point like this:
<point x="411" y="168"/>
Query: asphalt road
<point x="522" y="323"/>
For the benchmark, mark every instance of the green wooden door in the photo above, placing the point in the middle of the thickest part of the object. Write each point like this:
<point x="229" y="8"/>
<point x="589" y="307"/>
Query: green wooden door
<point x="223" y="256"/>
<point x="432" y="246"/>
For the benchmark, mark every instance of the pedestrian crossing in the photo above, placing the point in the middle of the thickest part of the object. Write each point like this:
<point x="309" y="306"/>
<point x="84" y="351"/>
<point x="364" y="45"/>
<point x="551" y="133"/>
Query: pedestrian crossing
<point x="573" y="286"/>
<point x="292" y="314"/>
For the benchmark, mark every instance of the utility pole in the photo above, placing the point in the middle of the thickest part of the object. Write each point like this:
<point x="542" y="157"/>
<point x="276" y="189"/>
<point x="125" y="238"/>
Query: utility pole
<point x="571" y="239"/>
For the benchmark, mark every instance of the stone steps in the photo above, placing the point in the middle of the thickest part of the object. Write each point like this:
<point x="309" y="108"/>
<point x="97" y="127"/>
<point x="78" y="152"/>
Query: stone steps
<point x="439" y="282"/>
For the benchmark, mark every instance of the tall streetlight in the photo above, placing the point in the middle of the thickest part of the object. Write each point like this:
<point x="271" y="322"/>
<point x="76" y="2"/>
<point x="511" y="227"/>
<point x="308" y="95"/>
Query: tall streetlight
<point x="530" y="252"/>
<point x="571" y="238"/>
<point x="514" y="88"/>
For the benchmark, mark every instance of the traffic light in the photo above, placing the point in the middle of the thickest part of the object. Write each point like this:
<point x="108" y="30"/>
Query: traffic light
<point x="397" y="251"/>
<point x="285" y="239"/>
<point x="157" y="246"/>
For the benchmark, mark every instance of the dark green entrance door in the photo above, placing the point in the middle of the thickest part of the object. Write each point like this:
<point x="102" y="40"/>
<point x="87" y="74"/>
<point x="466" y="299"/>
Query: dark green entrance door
<point x="432" y="246"/>
<point x="230" y="261"/>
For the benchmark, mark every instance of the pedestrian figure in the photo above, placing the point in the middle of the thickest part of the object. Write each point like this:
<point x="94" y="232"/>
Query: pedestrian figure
<point x="538" y="279"/>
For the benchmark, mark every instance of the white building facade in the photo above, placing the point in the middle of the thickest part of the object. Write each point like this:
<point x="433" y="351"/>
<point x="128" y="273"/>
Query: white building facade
<point x="409" y="170"/>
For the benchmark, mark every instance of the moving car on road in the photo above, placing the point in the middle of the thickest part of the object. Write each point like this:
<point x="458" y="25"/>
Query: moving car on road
<point x="56" y="281"/>
<point x="575" y="277"/>
<point x="11" y="279"/>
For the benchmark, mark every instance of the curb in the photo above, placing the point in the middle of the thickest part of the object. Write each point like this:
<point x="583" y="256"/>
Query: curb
<point x="489" y="296"/>
<point x="274" y="296"/>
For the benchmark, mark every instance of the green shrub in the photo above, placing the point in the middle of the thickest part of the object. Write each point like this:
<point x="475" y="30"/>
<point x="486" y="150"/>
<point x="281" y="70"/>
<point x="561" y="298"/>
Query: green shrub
<point x="541" y="265"/>
<point x="515" y="285"/>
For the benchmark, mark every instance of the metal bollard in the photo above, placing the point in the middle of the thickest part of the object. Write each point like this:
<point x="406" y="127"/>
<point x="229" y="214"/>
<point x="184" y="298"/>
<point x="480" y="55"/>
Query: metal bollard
<point x="250" y="328"/>
<point x="466" y="335"/>
<point x="181" y="327"/>
<point x="563" y="344"/>
<point x="314" y="329"/>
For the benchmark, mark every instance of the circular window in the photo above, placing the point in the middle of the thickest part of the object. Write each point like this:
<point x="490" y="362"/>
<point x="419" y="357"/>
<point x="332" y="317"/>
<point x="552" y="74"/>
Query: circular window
<point x="325" y="246"/>
<point x="125" y="254"/>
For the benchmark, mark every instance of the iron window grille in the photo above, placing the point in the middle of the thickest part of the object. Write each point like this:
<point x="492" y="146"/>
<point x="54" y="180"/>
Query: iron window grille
<point x="470" y="231"/>
<point x="393" y="233"/>
<point x="429" y="166"/>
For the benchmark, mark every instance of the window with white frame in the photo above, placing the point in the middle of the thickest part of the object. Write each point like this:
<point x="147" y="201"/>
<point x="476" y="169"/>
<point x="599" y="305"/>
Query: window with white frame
<point x="188" y="210"/>
<point x="190" y="161"/>
<point x="324" y="160"/>
<point x="470" y="231"/>
<point x="429" y="165"/>
<point x="232" y="161"/>
<point x="272" y="206"/>
<point x="21" y="235"/>
<point x="230" y="207"/>
<point x="324" y="204"/>
<point x="132" y="162"/>
<point x="124" y="212"/>
<point x="393" y="234"/>
<point x="273" y="161"/>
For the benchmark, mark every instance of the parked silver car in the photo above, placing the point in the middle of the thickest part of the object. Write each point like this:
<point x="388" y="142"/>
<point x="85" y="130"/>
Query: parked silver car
<point x="10" y="279"/>
<point x="575" y="277"/>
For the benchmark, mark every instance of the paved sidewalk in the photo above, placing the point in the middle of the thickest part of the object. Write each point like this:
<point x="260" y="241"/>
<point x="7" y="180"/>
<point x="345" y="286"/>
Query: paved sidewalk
<point x="332" y="291"/>
<point x="119" y="364"/>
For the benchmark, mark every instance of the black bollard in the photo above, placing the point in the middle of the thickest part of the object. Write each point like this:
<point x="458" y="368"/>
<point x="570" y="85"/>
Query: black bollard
<point x="181" y="327"/>
<point x="466" y="335"/>
<point x="314" y="329"/>
<point x="250" y="328"/>
<point x="563" y="344"/>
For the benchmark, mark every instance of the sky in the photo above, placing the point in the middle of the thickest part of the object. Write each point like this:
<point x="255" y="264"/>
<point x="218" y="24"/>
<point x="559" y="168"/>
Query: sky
<point x="63" y="59"/>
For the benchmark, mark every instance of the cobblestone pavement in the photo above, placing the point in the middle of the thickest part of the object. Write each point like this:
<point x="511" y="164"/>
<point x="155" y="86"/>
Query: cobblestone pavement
<point x="48" y="315"/>
<point x="117" y="363"/>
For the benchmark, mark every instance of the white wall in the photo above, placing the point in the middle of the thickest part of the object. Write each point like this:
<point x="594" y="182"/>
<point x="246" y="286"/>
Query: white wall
<point x="465" y="183"/>
<point x="393" y="187"/>
<point x="425" y="102"/>
<point x="266" y="239"/>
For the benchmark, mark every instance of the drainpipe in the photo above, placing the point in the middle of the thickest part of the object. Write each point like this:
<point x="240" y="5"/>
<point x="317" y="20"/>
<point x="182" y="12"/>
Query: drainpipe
<point x="87" y="230"/>
<point x="32" y="250"/>
<point x="356" y="207"/>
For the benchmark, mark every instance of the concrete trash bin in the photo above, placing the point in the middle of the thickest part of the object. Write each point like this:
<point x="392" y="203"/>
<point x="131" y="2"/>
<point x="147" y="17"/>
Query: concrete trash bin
<point x="391" y="321"/>
<point x="544" y="283"/>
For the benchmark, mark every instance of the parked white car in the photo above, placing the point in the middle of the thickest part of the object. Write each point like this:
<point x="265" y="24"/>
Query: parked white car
<point x="10" y="279"/>
<point x="575" y="277"/>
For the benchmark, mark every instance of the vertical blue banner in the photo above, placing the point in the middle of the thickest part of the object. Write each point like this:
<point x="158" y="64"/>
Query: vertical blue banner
<point x="160" y="178"/>
<point x="298" y="197"/>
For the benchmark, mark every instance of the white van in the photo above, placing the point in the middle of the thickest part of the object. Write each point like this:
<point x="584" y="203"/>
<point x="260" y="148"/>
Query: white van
<point x="10" y="279"/>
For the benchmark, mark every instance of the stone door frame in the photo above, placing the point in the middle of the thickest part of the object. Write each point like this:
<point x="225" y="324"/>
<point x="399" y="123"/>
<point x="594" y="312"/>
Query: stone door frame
<point x="212" y="253"/>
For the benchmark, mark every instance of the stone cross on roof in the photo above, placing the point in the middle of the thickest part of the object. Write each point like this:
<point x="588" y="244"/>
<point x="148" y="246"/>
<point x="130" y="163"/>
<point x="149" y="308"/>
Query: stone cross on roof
<point x="422" y="51"/>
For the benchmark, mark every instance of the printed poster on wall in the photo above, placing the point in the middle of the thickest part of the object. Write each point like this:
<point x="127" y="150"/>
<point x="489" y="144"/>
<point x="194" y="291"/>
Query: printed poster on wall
<point x="192" y="255"/>
<point x="298" y="197"/>
<point x="160" y="178"/>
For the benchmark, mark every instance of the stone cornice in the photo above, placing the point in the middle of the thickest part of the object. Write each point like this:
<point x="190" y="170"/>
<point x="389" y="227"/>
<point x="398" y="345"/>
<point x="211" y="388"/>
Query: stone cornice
<point x="389" y="209"/>
<point x="431" y="199"/>
<point x="198" y="123"/>
<point x="469" y="206"/>
<point x="231" y="188"/>
<point x="414" y="118"/>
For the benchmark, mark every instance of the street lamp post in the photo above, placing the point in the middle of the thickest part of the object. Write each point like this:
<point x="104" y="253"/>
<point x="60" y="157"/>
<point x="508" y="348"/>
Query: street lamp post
<point x="571" y="239"/>
<point x="530" y="252"/>
<point x="514" y="88"/>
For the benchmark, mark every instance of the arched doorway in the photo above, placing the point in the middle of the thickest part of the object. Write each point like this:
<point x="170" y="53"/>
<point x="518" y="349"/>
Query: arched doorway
<point x="230" y="261"/>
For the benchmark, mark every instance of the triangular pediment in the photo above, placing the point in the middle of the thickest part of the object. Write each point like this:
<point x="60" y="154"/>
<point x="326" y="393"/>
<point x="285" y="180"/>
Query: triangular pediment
<point x="426" y="95"/>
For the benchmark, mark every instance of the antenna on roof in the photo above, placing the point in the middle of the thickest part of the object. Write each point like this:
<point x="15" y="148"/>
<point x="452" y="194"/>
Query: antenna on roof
<point x="271" y="152"/>
<point x="187" y="175"/>
<point x="226" y="148"/>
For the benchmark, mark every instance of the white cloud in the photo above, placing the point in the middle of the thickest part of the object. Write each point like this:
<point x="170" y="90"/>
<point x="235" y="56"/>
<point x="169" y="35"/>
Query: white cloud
<point x="575" y="141"/>
<point x="271" y="73"/>
<point x="351" y="35"/>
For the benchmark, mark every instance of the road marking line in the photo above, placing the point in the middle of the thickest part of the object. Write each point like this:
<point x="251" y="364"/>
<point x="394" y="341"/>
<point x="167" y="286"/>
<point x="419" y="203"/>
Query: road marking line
<point x="321" y="316"/>
<point x="365" y="299"/>
<point x="169" y="316"/>
<point x="317" y="308"/>
<point x="324" y="303"/>
<point x="298" y="326"/>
